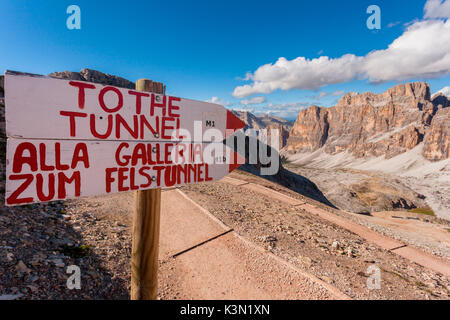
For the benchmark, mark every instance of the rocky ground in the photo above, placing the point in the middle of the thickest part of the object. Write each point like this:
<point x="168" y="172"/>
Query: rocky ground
<point x="362" y="191"/>
<point x="317" y="246"/>
<point x="357" y="185"/>
<point x="39" y="242"/>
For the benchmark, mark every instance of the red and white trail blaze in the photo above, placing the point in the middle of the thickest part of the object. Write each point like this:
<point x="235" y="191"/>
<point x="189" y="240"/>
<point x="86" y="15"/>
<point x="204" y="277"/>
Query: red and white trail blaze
<point x="69" y="139"/>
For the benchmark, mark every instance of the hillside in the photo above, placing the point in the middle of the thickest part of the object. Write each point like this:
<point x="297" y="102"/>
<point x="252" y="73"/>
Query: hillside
<point x="374" y="152"/>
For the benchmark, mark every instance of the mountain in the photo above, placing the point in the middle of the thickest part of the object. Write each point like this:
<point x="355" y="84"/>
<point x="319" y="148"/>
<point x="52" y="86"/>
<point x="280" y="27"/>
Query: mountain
<point x="94" y="76"/>
<point x="265" y="121"/>
<point x="369" y="124"/>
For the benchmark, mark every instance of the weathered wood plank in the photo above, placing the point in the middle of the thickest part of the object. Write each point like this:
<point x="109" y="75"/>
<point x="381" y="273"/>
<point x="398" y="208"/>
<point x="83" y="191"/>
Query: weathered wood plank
<point x="146" y="225"/>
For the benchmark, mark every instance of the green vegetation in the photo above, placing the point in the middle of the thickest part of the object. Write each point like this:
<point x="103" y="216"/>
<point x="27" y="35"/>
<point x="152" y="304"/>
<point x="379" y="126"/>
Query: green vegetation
<point x="76" y="251"/>
<point x="426" y="211"/>
<point x="284" y="160"/>
<point x="395" y="274"/>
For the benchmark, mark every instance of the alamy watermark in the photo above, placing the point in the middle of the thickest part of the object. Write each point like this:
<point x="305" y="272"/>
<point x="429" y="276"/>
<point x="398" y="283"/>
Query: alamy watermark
<point x="256" y="147"/>
<point x="73" y="22"/>
<point x="74" y="281"/>
<point x="374" y="277"/>
<point x="374" y="20"/>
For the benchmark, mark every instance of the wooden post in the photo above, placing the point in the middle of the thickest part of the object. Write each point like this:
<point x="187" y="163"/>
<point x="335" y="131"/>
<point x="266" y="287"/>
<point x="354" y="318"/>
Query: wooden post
<point x="144" y="254"/>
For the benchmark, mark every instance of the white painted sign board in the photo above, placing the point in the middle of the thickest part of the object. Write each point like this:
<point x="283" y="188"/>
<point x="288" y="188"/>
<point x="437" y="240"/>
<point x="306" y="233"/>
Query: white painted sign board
<point x="69" y="139"/>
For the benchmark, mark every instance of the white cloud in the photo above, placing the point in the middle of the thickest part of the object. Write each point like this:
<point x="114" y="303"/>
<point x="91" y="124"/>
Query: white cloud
<point x="393" y="24"/>
<point x="437" y="9"/>
<point x="423" y="50"/>
<point x="324" y="94"/>
<point x="288" y="110"/>
<point x="219" y="101"/>
<point x="244" y="109"/>
<point x="300" y="73"/>
<point x="255" y="100"/>
<point x="445" y="91"/>
<point x="285" y="110"/>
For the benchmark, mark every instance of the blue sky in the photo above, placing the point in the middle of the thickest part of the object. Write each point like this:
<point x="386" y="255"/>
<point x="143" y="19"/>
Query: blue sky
<point x="204" y="49"/>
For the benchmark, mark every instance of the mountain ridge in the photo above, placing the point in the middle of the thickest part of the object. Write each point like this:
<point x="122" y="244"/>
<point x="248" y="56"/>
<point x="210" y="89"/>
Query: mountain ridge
<point x="369" y="124"/>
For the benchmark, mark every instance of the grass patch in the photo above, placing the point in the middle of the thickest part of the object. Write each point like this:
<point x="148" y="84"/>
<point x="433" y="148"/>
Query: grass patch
<point x="420" y="284"/>
<point x="396" y="274"/>
<point x="285" y="160"/>
<point x="426" y="211"/>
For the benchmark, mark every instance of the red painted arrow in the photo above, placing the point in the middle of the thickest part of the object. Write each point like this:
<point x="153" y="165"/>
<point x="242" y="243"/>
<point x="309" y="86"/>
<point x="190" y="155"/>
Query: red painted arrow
<point x="233" y="122"/>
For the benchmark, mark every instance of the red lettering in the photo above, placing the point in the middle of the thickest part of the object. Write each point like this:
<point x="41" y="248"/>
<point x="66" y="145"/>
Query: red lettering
<point x="167" y="152"/>
<point x="108" y="130"/>
<point x="170" y="176"/>
<point x="58" y="164"/>
<point x="20" y="159"/>
<point x="42" y="154"/>
<point x="14" y="197"/>
<point x="191" y="169"/>
<point x="138" y="95"/>
<point x="72" y="116"/>
<point x="126" y="157"/>
<point x="109" y="178"/>
<point x="40" y="187"/>
<point x="80" y="154"/>
<point x="146" y="175"/>
<point x="199" y="172"/>
<point x="63" y="179"/>
<point x="207" y="177"/>
<point x="81" y="94"/>
<point x="181" y="169"/>
<point x="121" y="179"/>
<point x="132" y="185"/>
<point x="147" y="124"/>
<point x="165" y="127"/>
<point x="197" y="154"/>
<point x="101" y="100"/>
<point x="172" y="107"/>
<point x="139" y="152"/>
<point x="120" y="120"/>
<point x="154" y="104"/>
<point x="177" y="131"/>
<point x="158" y="174"/>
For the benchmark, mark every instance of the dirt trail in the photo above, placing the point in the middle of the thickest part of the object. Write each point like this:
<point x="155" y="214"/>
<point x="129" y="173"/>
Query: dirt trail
<point x="309" y="244"/>
<point x="315" y="244"/>
<point x="262" y="246"/>
<point x="203" y="259"/>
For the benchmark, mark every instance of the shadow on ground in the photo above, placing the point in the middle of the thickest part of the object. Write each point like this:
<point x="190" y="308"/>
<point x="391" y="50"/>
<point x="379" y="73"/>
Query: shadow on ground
<point x="282" y="176"/>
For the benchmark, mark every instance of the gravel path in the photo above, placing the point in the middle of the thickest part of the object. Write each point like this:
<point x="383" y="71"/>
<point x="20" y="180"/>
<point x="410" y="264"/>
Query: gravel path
<point x="39" y="242"/>
<point x="319" y="247"/>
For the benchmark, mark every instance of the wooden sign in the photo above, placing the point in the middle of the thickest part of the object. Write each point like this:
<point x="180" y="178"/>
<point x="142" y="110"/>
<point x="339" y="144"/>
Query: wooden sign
<point x="48" y="108"/>
<point x="69" y="139"/>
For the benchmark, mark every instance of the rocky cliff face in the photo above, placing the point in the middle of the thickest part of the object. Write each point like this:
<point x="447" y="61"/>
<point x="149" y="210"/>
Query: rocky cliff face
<point x="252" y="121"/>
<point x="377" y="124"/>
<point x="437" y="138"/>
<point x="94" y="76"/>
<point x="267" y="122"/>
